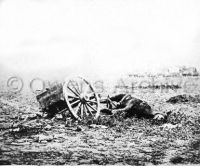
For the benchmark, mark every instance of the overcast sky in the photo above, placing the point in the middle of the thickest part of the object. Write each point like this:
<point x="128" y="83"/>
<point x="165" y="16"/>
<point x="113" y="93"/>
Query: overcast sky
<point x="102" y="36"/>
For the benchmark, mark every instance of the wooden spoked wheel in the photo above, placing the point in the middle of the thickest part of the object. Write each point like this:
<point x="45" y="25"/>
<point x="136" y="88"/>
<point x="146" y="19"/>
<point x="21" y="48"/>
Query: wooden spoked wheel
<point x="81" y="99"/>
<point x="110" y="104"/>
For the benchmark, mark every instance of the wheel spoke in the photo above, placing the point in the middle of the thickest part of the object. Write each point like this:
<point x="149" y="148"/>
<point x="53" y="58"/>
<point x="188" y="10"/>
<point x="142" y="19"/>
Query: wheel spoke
<point x="79" y="91"/>
<point x="73" y="100"/>
<point x="85" y="110"/>
<point x="88" y="109"/>
<point x="82" y="109"/>
<point x="93" y="102"/>
<point x="73" y="97"/>
<point x="112" y="103"/>
<point x="74" y="87"/>
<point x="74" y="103"/>
<point x="78" y="107"/>
<point x="76" y="94"/>
<point x="91" y="107"/>
<point x="76" y="90"/>
<point x="81" y="87"/>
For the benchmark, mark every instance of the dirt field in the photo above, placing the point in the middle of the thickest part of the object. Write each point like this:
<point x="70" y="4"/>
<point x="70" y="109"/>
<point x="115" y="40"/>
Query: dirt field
<point x="130" y="141"/>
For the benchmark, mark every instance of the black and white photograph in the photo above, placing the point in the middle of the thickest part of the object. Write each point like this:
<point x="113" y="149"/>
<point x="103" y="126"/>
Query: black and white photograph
<point x="100" y="82"/>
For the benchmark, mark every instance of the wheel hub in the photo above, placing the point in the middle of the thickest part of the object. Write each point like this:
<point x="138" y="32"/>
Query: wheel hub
<point x="83" y="98"/>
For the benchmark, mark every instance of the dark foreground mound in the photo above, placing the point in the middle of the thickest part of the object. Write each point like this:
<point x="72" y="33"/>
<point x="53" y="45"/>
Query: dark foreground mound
<point x="184" y="98"/>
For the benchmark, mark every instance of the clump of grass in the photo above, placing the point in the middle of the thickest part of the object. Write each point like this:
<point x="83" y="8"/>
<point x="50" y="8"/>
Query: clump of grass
<point x="191" y="155"/>
<point x="190" y="128"/>
<point x="178" y="118"/>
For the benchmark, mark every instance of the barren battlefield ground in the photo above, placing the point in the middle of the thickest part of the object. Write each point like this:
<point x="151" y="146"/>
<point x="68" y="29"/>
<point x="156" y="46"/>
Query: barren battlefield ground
<point x="114" y="141"/>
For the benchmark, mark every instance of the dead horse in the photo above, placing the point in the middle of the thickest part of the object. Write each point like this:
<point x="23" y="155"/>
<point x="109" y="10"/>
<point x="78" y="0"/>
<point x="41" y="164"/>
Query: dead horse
<point x="132" y="107"/>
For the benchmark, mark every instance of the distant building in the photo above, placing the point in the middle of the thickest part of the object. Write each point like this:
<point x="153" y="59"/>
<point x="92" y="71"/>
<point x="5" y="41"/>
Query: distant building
<point x="188" y="71"/>
<point x="172" y="72"/>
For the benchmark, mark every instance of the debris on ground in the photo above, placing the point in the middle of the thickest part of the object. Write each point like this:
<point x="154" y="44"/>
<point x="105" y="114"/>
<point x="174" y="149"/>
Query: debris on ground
<point x="94" y="126"/>
<point x="48" y="127"/>
<point x="43" y="138"/>
<point x="169" y="126"/>
<point x="184" y="98"/>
